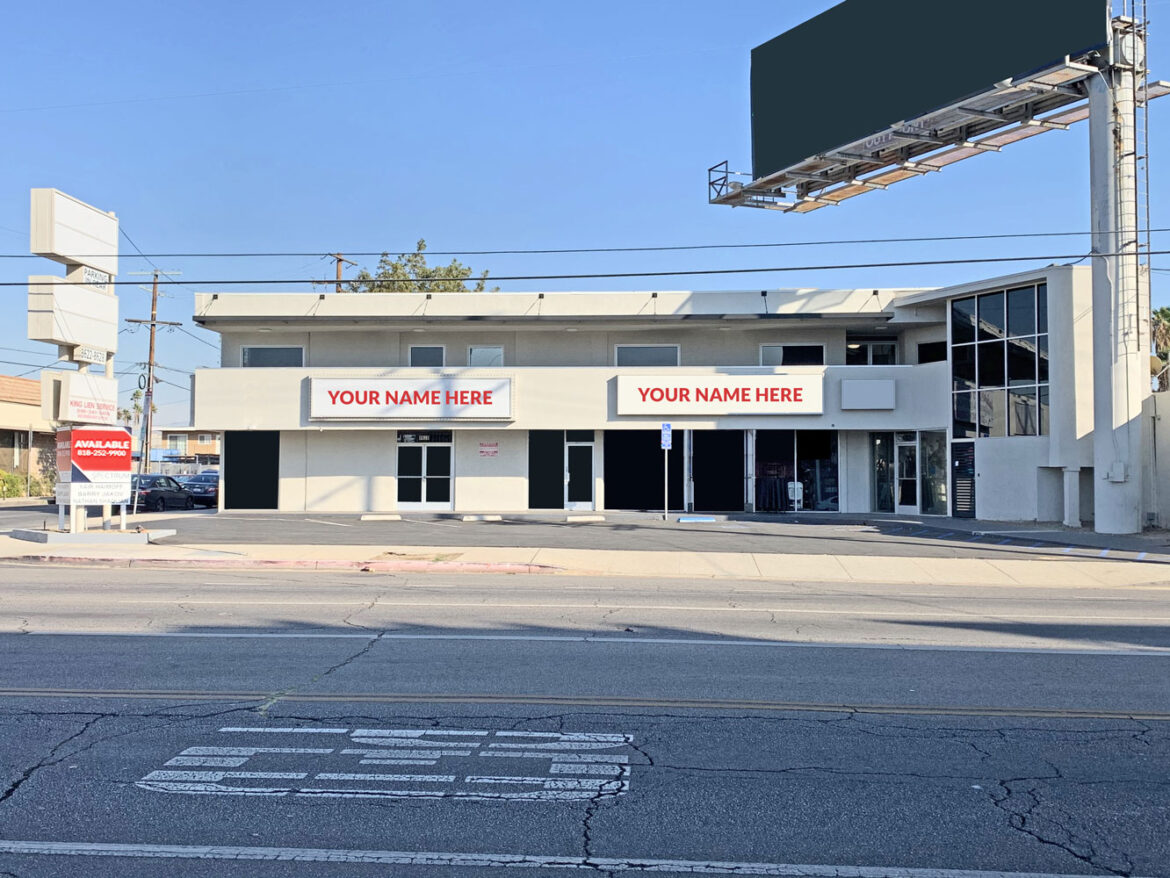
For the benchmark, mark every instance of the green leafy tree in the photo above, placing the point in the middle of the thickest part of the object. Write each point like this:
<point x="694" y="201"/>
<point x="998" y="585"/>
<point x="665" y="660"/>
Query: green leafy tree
<point x="409" y="273"/>
<point x="1160" y="333"/>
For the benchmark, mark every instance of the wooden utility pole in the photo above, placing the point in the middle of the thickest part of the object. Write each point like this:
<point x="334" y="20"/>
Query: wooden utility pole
<point x="340" y="259"/>
<point x="148" y="403"/>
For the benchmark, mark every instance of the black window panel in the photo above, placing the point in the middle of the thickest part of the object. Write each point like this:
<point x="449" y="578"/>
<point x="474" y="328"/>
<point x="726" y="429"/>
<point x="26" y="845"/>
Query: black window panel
<point x="993" y="413"/>
<point x="438" y="490"/>
<point x="963" y="320"/>
<point x="633" y="470"/>
<point x="804" y="355"/>
<point x="718" y="470"/>
<point x="412" y="437"/>
<point x="426" y="355"/>
<point x="991" y="364"/>
<point x="1022" y="414"/>
<point x="647" y="355"/>
<point x="1042" y="359"/>
<point x="580" y="460"/>
<point x="856" y="354"/>
<point x="1042" y="308"/>
<point x="265" y="357"/>
<point x="251" y="469"/>
<point x="546" y="469"/>
<point x="991" y="316"/>
<point x="964" y="417"/>
<point x="1021" y="311"/>
<point x="409" y="461"/>
<point x="1043" y="411"/>
<point x="409" y="490"/>
<point x="963" y="367"/>
<point x="438" y="460"/>
<point x="578" y="435"/>
<point x="1021" y="362"/>
<point x="932" y="352"/>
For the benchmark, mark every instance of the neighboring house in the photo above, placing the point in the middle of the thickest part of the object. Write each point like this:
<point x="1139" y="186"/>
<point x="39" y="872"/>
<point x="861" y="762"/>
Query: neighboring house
<point x="27" y="441"/>
<point x="180" y="450"/>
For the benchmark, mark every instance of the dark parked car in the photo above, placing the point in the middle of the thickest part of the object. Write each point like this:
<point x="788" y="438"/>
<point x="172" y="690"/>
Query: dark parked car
<point x="158" y="493"/>
<point x="204" y="488"/>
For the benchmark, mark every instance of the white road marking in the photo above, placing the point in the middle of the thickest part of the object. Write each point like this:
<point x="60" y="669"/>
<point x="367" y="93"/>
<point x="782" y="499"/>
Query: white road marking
<point x="402" y="778"/>
<point x="391" y="746"/>
<point x="1150" y="651"/>
<point x="287" y="731"/>
<point x="332" y="523"/>
<point x="449" y="859"/>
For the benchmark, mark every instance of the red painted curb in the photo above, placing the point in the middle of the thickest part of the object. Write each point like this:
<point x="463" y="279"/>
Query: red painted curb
<point x="415" y="566"/>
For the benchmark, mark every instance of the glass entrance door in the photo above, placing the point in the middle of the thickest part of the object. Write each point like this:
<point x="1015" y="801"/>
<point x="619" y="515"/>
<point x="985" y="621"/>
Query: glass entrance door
<point x="796" y="470"/>
<point x="906" y="449"/>
<point x="424" y="474"/>
<point x="578" y="475"/>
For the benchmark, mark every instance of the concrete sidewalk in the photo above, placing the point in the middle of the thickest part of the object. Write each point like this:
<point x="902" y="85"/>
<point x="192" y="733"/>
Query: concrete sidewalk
<point x="1057" y="569"/>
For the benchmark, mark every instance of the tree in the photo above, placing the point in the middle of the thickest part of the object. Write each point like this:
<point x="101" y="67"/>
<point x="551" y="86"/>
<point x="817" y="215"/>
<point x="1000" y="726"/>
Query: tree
<point x="409" y="273"/>
<point x="133" y="415"/>
<point x="1160" y="335"/>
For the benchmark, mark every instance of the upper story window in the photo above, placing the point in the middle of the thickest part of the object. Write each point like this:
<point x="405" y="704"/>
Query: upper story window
<point x="177" y="442"/>
<point x="646" y="355"/>
<point x="860" y="351"/>
<point x="428" y="355"/>
<point x="792" y="355"/>
<point x="206" y="438"/>
<point x="485" y="355"/>
<point x="932" y="352"/>
<point x="261" y="356"/>
<point x="999" y="363"/>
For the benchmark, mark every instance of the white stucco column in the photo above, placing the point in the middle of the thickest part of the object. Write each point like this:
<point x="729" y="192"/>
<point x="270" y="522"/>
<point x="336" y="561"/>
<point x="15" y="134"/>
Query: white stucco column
<point x="749" y="462"/>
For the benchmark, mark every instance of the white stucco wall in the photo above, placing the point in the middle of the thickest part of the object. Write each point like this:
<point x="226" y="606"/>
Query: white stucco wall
<point x="1006" y="477"/>
<point x="491" y="484"/>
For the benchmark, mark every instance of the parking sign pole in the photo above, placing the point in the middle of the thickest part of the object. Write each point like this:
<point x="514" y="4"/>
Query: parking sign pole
<point x="666" y="437"/>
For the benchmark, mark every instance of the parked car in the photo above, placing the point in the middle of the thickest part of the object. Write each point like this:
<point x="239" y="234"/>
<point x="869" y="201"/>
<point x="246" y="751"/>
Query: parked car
<point x="159" y="493"/>
<point x="204" y="488"/>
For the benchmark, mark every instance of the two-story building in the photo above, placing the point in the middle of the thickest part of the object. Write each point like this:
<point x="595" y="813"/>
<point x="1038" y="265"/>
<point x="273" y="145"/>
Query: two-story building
<point x="968" y="400"/>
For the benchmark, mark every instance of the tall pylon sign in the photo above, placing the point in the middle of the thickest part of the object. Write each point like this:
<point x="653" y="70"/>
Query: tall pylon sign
<point x="78" y="313"/>
<point x="902" y="96"/>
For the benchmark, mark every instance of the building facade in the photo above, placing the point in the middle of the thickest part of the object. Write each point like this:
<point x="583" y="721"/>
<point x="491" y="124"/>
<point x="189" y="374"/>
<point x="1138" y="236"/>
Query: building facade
<point x="970" y="400"/>
<point x="28" y="444"/>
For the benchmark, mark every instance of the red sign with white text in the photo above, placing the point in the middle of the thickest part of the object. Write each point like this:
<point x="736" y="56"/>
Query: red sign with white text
<point x="93" y="465"/>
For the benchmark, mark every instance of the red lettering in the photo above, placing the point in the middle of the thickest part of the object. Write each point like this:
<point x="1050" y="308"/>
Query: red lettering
<point x="643" y="391"/>
<point x="477" y="397"/>
<point x="798" y="394"/>
<point x="684" y="394"/>
<point x="452" y="397"/>
<point x="785" y="394"/>
<point x="702" y="394"/>
<point x="374" y="394"/>
<point x="487" y="397"/>
<point x="333" y="396"/>
<point x="435" y="396"/>
<point x="346" y="397"/>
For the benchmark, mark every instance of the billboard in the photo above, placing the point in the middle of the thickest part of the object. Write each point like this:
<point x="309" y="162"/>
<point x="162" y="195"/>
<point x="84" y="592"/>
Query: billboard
<point x="70" y="314"/>
<point x="785" y="394"/>
<point x="64" y="229"/>
<point x="864" y="65"/>
<point x="410" y="399"/>
<point x="79" y="397"/>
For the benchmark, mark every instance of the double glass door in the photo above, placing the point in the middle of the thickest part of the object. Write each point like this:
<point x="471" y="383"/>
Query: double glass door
<point x="424" y="471"/>
<point x="909" y="474"/>
<point x="796" y="470"/>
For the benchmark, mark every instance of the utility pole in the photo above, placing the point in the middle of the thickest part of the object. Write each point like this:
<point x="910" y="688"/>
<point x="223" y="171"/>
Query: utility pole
<point x="148" y="402"/>
<point x="339" y="258"/>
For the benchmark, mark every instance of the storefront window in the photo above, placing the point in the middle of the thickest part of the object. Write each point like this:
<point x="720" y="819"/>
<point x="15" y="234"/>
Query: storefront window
<point x="1003" y="354"/>
<point x="646" y="355"/>
<point x="792" y="355"/>
<point x="265" y="356"/>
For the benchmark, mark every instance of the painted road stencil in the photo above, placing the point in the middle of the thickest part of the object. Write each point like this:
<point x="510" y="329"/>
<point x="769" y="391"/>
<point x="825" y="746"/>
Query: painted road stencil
<point x="400" y="764"/>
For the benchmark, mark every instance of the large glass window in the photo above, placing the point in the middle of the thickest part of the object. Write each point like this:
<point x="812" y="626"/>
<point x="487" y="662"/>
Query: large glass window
<point x="792" y="355"/>
<point x="870" y="351"/>
<point x="999" y="363"/>
<point x="427" y="355"/>
<point x="646" y="355"/>
<point x="263" y="356"/>
<point x="485" y="355"/>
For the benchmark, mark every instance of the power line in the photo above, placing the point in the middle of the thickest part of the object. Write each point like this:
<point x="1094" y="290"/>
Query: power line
<point x="186" y="331"/>
<point x="678" y="273"/>
<point x="572" y="250"/>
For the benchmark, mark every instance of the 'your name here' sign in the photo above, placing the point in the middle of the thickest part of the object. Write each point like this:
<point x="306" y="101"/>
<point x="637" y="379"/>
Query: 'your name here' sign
<point x="720" y="395"/>
<point x="355" y="399"/>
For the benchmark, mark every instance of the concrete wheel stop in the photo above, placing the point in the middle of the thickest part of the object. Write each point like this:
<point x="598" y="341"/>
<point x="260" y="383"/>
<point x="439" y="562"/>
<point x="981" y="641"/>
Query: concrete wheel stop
<point x="93" y="537"/>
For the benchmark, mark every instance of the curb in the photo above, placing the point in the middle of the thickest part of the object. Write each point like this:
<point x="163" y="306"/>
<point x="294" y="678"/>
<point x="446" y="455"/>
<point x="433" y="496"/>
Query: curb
<point x="273" y="564"/>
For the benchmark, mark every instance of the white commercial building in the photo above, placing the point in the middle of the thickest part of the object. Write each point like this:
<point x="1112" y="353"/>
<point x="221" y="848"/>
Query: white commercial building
<point x="974" y="400"/>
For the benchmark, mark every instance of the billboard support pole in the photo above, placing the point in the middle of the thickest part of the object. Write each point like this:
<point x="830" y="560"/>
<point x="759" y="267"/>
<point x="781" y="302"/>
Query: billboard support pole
<point x="1120" y="359"/>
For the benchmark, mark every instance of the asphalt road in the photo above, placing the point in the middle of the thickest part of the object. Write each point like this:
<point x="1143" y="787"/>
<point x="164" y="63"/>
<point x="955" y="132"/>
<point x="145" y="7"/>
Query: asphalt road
<point x="263" y="724"/>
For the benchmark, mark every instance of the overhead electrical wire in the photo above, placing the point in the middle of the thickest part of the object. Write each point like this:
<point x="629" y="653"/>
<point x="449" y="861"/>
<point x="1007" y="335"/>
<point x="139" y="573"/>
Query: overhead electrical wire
<point x="1051" y="258"/>
<point x="572" y="250"/>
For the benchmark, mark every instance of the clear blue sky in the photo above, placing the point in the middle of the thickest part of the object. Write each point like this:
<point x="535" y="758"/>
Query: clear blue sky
<point x="363" y="126"/>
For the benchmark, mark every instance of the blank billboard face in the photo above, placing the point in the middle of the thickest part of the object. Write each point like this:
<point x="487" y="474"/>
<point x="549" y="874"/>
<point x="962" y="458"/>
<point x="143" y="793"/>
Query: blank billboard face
<point x="864" y="65"/>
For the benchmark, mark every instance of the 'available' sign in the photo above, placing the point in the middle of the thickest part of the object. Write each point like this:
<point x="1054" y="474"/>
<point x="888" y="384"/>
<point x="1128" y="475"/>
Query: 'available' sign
<point x="93" y="465"/>
<point x="426" y="399"/>
<point x="720" y="394"/>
